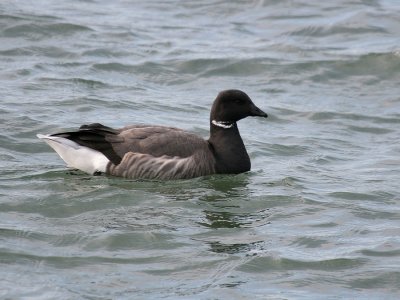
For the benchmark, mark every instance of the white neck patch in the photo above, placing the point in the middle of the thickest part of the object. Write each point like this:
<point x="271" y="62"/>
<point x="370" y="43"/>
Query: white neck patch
<point x="223" y="124"/>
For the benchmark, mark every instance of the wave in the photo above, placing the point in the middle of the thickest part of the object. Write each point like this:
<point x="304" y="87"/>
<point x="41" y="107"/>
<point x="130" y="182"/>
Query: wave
<point x="324" y="31"/>
<point x="329" y="115"/>
<point x="377" y="65"/>
<point x="39" y="31"/>
<point x="260" y="264"/>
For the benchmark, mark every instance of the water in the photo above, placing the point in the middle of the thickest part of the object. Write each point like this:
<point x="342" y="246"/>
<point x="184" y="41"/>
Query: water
<point x="317" y="217"/>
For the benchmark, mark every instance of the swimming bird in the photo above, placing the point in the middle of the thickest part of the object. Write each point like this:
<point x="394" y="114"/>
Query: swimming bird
<point x="160" y="152"/>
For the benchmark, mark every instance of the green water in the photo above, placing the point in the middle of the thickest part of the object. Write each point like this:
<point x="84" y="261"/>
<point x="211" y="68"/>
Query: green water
<point x="316" y="218"/>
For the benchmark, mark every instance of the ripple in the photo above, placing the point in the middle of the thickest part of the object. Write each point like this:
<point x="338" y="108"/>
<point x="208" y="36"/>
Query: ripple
<point x="287" y="150"/>
<point x="222" y="219"/>
<point x="260" y="264"/>
<point x="218" y="247"/>
<point x="310" y="242"/>
<point x="116" y="67"/>
<point x="374" y="130"/>
<point x="387" y="280"/>
<point x="106" y="52"/>
<point x="78" y="81"/>
<point x="36" y="31"/>
<point x="379" y="65"/>
<point x="324" y="31"/>
<point x="201" y="65"/>
<point x="47" y="51"/>
<point x="381" y="253"/>
<point x="352" y="196"/>
<point x="64" y="261"/>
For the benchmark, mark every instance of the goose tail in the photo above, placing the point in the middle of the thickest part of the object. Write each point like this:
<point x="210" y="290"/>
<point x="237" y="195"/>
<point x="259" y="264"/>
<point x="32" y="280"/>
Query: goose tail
<point x="77" y="156"/>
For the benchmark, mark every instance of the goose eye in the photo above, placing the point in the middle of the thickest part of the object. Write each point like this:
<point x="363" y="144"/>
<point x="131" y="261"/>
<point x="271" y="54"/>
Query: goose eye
<point x="238" y="101"/>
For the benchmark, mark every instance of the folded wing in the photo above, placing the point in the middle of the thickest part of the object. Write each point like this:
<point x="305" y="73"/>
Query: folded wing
<point x="145" y="166"/>
<point x="153" y="140"/>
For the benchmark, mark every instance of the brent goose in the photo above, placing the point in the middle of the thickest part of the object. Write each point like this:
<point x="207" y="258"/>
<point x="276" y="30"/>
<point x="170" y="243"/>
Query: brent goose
<point x="159" y="152"/>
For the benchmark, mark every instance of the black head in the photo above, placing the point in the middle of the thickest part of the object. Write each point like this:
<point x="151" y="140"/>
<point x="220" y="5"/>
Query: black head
<point x="233" y="105"/>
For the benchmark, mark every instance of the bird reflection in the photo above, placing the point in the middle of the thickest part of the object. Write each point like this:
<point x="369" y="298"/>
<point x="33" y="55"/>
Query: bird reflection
<point x="219" y="247"/>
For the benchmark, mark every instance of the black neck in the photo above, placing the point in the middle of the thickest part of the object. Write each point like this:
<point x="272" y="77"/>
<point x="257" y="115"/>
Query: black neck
<point x="229" y="150"/>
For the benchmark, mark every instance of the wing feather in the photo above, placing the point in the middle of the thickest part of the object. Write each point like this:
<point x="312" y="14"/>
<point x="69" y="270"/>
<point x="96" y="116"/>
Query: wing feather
<point x="167" y="143"/>
<point x="145" y="166"/>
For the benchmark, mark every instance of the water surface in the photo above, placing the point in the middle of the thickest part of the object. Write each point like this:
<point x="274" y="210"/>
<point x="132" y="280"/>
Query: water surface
<point x="317" y="217"/>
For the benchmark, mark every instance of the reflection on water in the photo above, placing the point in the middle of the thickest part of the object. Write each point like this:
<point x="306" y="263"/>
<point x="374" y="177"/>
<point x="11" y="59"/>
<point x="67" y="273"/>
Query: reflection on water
<point x="218" y="247"/>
